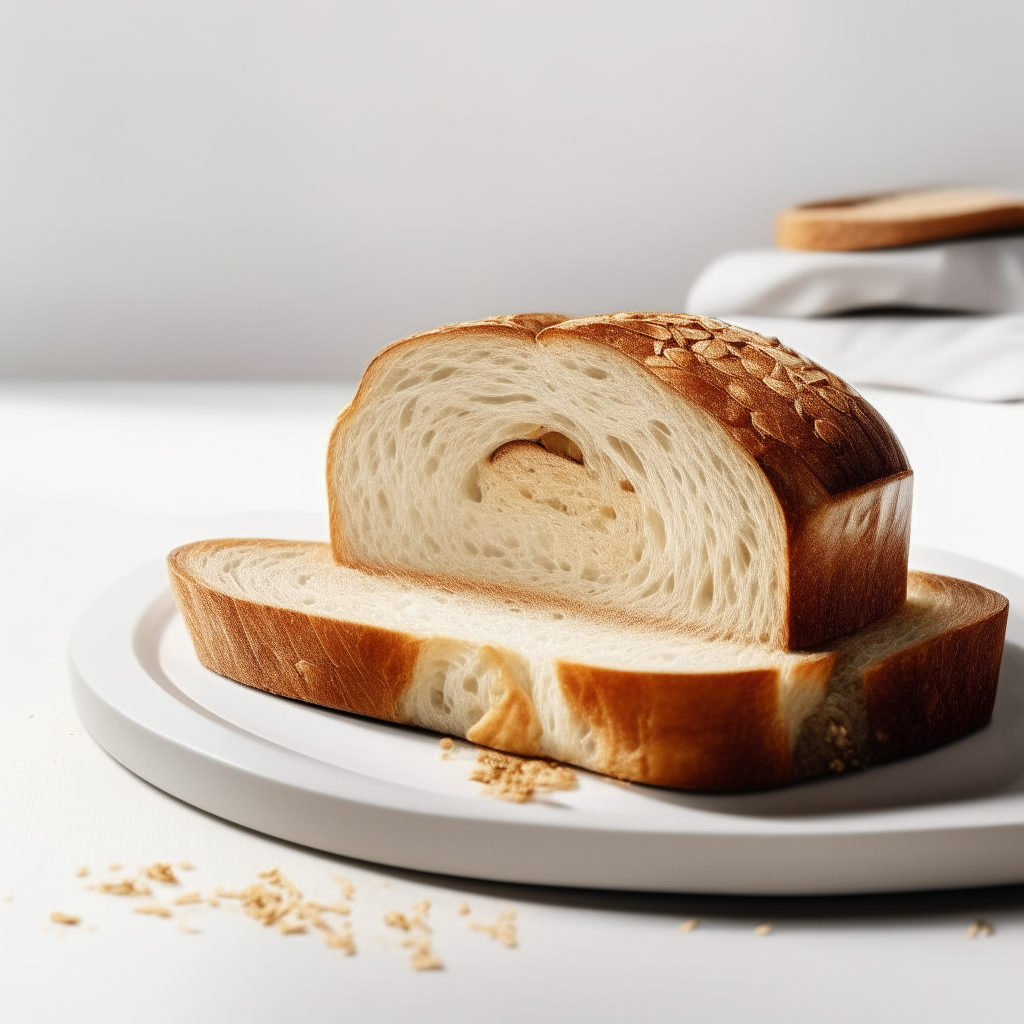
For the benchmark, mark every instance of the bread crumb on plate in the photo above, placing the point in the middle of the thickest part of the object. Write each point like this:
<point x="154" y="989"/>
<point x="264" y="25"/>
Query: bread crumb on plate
<point x="518" y="779"/>
<point x="689" y="925"/>
<point x="763" y="929"/>
<point x="980" y="928"/>
<point x="57" y="917"/>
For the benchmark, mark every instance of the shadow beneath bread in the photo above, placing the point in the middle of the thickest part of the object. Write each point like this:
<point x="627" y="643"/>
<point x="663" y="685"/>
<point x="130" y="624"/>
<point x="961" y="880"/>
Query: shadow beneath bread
<point x="986" y="762"/>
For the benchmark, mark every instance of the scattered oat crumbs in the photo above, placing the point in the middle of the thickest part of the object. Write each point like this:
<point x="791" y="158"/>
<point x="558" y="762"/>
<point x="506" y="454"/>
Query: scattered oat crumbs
<point x="763" y="929"/>
<point x="462" y="908"/>
<point x="188" y="897"/>
<point x="162" y="872"/>
<point x="446" y="743"/>
<point x="153" y="910"/>
<point x="980" y="928"/>
<point x="59" y="918"/>
<point x="502" y="930"/>
<point x="186" y="865"/>
<point x="690" y="925"/>
<point x="517" y="779"/>
<point x="278" y="901"/>
<point x="423" y="957"/>
<point x="115" y="866"/>
<point x="125" y="887"/>
<point x="82" y="872"/>
<point x="348" y="890"/>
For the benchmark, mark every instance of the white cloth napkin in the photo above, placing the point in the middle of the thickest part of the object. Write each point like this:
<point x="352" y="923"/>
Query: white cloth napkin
<point x="795" y="296"/>
<point x="979" y="275"/>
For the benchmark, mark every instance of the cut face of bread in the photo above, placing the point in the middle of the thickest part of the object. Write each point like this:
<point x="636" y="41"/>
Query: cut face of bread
<point x="648" y="467"/>
<point x="648" y="705"/>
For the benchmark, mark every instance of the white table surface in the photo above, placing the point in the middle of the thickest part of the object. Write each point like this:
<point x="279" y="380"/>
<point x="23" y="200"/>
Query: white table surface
<point x="95" y="479"/>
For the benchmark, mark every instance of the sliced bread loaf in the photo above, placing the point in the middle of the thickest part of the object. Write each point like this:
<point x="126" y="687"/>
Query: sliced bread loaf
<point x="641" y="466"/>
<point x="640" y="703"/>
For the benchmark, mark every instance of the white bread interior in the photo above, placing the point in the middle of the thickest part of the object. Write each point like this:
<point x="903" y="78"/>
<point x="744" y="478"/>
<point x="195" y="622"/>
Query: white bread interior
<point x="561" y="468"/>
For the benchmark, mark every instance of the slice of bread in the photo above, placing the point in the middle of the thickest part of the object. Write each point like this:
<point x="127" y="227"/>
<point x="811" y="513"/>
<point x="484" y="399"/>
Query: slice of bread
<point x="898" y="218"/>
<point x="644" y="704"/>
<point x="641" y="466"/>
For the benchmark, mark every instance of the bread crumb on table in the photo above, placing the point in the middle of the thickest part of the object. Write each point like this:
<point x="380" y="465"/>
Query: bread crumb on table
<point x="162" y="872"/>
<point x="502" y="930"/>
<point x="187" y="898"/>
<point x="124" y="887"/>
<point x="153" y="910"/>
<point x="278" y="901"/>
<point x="82" y="872"/>
<point x="981" y="928"/>
<point x="57" y="917"/>
<point x="763" y="929"/>
<point x="115" y="866"/>
<point x="518" y="779"/>
<point x="423" y="957"/>
<point x="462" y="908"/>
<point x="186" y="865"/>
<point x="690" y="925"/>
<point x="446" y="743"/>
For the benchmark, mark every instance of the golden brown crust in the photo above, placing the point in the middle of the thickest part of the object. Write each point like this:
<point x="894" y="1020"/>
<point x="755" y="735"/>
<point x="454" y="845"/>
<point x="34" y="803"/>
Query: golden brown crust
<point x="944" y="686"/>
<point x="715" y="731"/>
<point x="839" y="473"/>
<point x="898" y="218"/>
<point x="336" y="664"/>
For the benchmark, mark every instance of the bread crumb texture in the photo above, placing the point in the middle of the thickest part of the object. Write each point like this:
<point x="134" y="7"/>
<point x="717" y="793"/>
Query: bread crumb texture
<point x="422" y="957"/>
<point x="502" y="930"/>
<point x="446" y="743"/>
<point x="980" y="929"/>
<point x="57" y="917"/>
<point x="690" y="925"/>
<point x="763" y="929"/>
<point x="519" y="779"/>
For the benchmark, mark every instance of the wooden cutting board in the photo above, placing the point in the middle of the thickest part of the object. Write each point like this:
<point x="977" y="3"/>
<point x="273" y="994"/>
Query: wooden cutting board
<point x="899" y="218"/>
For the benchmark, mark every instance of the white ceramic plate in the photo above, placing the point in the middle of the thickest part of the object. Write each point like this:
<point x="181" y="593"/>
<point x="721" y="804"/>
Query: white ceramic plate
<point x="380" y="792"/>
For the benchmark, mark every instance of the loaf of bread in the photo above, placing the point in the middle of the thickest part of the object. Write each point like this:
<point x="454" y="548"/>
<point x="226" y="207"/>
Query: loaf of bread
<point x="656" y="546"/>
<point x="645" y="466"/>
<point x="644" y="704"/>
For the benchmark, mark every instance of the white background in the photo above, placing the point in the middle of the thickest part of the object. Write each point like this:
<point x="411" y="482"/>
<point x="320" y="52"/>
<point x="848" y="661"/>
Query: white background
<point x="255" y="189"/>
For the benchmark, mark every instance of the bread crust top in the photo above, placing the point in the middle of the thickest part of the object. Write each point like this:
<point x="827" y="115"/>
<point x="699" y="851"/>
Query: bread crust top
<point x="788" y="413"/>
